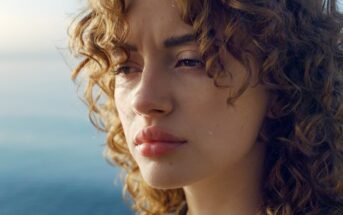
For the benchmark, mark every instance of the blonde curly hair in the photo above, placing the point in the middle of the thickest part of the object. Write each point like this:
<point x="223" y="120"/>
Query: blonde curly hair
<point x="299" y="45"/>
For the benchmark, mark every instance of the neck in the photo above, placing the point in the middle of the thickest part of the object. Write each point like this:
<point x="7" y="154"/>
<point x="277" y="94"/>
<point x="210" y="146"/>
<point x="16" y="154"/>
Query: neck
<point x="235" y="191"/>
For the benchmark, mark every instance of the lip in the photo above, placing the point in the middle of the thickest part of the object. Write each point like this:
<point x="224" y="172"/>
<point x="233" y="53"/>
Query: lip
<point x="152" y="141"/>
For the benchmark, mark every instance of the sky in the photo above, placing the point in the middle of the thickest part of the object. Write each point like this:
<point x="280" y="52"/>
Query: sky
<point x="35" y="64"/>
<point x="34" y="25"/>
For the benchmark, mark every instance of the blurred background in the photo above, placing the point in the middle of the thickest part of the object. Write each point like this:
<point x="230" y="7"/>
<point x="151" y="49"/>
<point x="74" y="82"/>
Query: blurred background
<point x="50" y="156"/>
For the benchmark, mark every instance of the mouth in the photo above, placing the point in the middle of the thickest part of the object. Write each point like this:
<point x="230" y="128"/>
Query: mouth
<point x="154" y="142"/>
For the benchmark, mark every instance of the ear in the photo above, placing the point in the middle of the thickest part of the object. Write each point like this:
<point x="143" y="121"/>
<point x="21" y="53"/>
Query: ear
<point x="273" y="106"/>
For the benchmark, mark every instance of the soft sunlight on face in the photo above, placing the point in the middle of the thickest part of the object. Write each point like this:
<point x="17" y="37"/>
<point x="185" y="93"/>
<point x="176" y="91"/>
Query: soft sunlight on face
<point x="167" y="87"/>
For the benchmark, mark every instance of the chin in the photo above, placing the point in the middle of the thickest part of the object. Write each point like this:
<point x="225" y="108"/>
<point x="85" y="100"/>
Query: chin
<point x="166" y="173"/>
<point x="163" y="181"/>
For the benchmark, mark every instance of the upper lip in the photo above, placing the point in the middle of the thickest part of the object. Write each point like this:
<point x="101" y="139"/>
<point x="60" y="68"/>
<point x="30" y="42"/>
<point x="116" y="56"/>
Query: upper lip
<point x="154" y="134"/>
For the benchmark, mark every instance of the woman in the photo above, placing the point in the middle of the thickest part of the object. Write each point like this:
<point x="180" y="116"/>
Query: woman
<point x="218" y="107"/>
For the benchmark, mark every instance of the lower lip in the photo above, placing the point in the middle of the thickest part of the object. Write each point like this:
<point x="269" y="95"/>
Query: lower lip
<point x="157" y="149"/>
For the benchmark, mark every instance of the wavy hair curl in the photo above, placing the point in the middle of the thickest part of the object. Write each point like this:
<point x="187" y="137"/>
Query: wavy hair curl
<point x="298" y="44"/>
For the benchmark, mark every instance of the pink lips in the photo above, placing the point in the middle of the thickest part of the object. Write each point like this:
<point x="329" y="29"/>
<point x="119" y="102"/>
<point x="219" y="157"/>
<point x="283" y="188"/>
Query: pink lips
<point x="154" y="142"/>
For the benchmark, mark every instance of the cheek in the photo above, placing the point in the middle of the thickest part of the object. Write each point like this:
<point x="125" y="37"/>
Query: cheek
<point x="126" y="117"/>
<point x="122" y="104"/>
<point x="222" y="132"/>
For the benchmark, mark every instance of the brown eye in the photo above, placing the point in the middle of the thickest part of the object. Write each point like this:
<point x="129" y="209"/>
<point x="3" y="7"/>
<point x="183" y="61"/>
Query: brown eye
<point x="189" y="63"/>
<point x="125" y="69"/>
<point x="122" y="69"/>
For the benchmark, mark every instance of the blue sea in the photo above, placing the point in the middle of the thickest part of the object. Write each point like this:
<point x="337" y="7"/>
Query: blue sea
<point x="50" y="155"/>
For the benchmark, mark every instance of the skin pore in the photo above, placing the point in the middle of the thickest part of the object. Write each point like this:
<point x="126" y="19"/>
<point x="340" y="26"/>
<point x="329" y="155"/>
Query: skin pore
<point x="164" y="84"/>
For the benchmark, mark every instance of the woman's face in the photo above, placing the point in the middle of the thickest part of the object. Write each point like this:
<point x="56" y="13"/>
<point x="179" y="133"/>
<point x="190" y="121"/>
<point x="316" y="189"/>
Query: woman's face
<point x="164" y="87"/>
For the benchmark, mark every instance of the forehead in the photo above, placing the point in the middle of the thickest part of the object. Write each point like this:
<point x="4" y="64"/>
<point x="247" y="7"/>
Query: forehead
<point x="154" y="20"/>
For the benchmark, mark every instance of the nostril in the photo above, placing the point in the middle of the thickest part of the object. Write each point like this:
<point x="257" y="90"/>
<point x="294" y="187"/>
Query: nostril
<point x="146" y="112"/>
<point x="159" y="111"/>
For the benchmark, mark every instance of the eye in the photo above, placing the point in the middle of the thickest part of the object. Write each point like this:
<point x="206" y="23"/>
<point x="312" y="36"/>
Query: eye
<point x="122" y="69"/>
<point x="189" y="63"/>
<point x="125" y="69"/>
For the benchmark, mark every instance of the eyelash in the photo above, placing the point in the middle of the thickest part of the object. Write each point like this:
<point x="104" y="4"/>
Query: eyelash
<point x="125" y="69"/>
<point x="190" y="62"/>
<point x="187" y="62"/>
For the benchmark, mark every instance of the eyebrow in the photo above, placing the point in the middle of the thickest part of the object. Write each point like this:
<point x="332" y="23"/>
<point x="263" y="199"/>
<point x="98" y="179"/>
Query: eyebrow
<point x="168" y="43"/>
<point x="179" y="40"/>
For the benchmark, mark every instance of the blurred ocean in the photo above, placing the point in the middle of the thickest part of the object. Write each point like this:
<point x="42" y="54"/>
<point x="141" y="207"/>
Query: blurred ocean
<point x="50" y="156"/>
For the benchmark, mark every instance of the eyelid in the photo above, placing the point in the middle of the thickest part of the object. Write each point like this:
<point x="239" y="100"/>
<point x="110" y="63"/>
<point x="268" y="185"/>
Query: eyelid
<point x="189" y="54"/>
<point x="189" y="59"/>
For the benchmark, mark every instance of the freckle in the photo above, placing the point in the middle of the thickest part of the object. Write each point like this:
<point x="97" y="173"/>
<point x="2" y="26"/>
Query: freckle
<point x="170" y="163"/>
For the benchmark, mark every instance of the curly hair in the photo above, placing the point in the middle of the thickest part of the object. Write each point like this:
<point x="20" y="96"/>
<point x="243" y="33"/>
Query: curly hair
<point x="298" y="44"/>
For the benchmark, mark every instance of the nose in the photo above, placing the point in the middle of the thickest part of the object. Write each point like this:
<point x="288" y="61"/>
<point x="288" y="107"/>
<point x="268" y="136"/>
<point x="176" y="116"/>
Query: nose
<point x="152" y="97"/>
